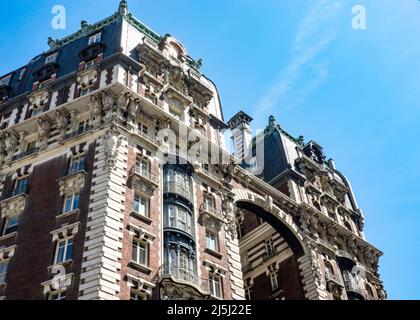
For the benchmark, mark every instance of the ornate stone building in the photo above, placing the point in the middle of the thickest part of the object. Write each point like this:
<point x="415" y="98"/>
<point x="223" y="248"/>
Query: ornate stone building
<point x="116" y="183"/>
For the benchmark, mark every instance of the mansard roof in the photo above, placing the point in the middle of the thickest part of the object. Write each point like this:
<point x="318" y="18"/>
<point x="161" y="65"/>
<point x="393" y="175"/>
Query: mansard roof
<point x="68" y="49"/>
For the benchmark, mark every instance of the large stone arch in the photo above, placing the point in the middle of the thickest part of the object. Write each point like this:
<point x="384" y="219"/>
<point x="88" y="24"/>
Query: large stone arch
<point x="267" y="210"/>
<point x="282" y="222"/>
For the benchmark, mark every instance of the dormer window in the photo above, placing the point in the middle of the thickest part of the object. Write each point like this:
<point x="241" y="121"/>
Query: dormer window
<point x="5" y="81"/>
<point x="95" y="38"/>
<point x="51" y="58"/>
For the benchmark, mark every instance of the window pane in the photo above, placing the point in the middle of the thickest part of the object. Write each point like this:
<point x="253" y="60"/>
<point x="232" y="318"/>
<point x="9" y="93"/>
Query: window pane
<point x="171" y="213"/>
<point x="3" y="270"/>
<point x="142" y="254"/>
<point x="136" y="203"/>
<point x="60" y="252"/>
<point x="76" y="202"/>
<point x="69" y="251"/>
<point x="67" y="204"/>
<point x="143" y="207"/>
<point x="134" y="255"/>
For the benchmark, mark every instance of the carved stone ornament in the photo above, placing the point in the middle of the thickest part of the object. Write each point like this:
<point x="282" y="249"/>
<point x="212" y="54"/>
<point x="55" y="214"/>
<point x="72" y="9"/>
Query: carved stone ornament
<point x="308" y="167"/>
<point x="95" y="111"/>
<point x="44" y="128"/>
<point x="229" y="209"/>
<point x="112" y="143"/>
<point x="172" y="291"/>
<point x="72" y="184"/>
<point x="2" y="151"/>
<point x="10" y="142"/>
<point x="108" y="103"/>
<point x="315" y="267"/>
<point x="13" y="206"/>
<point x="62" y="117"/>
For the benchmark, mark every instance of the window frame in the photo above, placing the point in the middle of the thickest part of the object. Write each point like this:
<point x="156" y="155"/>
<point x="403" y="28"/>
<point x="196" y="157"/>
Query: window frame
<point x="274" y="281"/>
<point x="72" y="196"/>
<point x="5" y="226"/>
<point x="136" y="245"/>
<point x="216" y="240"/>
<point x="18" y="187"/>
<point x="3" y="270"/>
<point x="214" y="280"/>
<point x="141" y="198"/>
<point x="60" y="294"/>
<point x="76" y="164"/>
<point x="95" y="38"/>
<point x="65" y="256"/>
<point x="51" y="58"/>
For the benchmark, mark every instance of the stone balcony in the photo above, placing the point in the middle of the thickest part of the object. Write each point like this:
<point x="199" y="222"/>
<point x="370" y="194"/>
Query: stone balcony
<point x="188" y="283"/>
<point x="144" y="181"/>
<point x="13" y="203"/>
<point x="211" y="217"/>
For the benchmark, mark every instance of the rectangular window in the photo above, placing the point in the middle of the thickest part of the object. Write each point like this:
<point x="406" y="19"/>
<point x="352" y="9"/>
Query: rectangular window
<point x="274" y="282"/>
<point x="95" y="38"/>
<point x="182" y="219"/>
<point x="212" y="241"/>
<point x="51" y="58"/>
<point x="240" y="229"/>
<point x="183" y="263"/>
<point x="3" y="271"/>
<point x="215" y="286"/>
<point x="21" y="186"/>
<point x="142" y="167"/>
<point x="141" y="205"/>
<point x="71" y="202"/>
<point x="269" y="247"/>
<point x="171" y="216"/>
<point x="248" y="293"/>
<point x="11" y="225"/>
<point x="60" y="295"/>
<point x="77" y="164"/>
<point x="139" y="253"/>
<point x="64" y="251"/>
<point x="83" y="126"/>
<point x="208" y="204"/>
<point x="138" y="296"/>
<point x="5" y="81"/>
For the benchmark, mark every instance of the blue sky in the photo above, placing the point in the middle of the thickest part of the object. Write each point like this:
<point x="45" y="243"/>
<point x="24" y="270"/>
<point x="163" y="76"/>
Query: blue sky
<point x="356" y="92"/>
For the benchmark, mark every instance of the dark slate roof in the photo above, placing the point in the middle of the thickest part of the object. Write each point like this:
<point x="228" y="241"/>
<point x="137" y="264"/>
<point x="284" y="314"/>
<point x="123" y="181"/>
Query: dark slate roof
<point x="68" y="57"/>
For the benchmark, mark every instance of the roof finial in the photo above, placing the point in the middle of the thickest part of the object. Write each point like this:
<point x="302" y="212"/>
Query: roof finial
<point x="52" y="43"/>
<point x="272" y="121"/>
<point x="123" y="8"/>
<point x="84" y="25"/>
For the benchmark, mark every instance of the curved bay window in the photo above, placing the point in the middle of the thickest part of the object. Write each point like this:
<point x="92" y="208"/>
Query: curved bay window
<point x="177" y="180"/>
<point x="179" y="217"/>
<point x="179" y="225"/>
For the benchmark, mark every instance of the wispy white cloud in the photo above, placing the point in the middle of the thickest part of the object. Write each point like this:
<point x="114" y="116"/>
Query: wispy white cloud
<point x="307" y="69"/>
